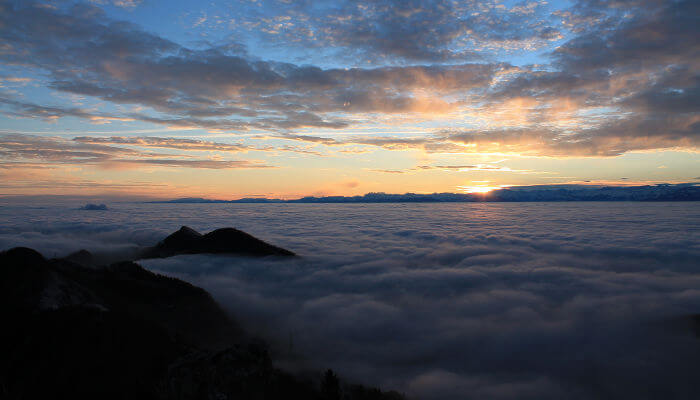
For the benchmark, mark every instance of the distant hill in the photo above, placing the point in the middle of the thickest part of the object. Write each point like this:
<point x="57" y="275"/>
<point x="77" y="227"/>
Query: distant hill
<point x="536" y="193"/>
<point x="225" y="240"/>
<point x="94" y="207"/>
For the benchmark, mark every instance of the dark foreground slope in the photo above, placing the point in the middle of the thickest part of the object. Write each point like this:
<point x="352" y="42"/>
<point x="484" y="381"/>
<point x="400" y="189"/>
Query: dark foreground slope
<point x="122" y="332"/>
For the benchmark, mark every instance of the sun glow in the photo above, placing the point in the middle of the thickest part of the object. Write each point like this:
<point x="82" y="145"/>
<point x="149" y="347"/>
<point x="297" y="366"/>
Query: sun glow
<point x="483" y="188"/>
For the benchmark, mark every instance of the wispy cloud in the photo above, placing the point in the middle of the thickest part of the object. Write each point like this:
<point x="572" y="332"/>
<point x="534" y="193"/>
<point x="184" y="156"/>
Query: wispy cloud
<point x="42" y="150"/>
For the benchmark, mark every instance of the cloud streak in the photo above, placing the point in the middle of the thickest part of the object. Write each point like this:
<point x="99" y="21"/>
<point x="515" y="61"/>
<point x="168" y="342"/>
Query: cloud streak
<point x="42" y="150"/>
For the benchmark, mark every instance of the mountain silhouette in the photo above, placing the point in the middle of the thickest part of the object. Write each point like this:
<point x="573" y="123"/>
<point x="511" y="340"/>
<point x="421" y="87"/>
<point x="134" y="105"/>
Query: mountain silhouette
<point x="79" y="331"/>
<point x="221" y="241"/>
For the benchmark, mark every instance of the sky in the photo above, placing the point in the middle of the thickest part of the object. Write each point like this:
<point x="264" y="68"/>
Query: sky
<point x="282" y="98"/>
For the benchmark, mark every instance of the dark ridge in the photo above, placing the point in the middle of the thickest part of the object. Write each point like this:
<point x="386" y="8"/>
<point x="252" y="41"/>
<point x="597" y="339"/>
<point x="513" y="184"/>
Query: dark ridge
<point x="185" y="311"/>
<point x="183" y="238"/>
<point x="209" y="374"/>
<point x="23" y="277"/>
<point x="221" y="241"/>
<point x="81" y="352"/>
<point x="33" y="283"/>
<point x="537" y="193"/>
<point x="22" y="256"/>
<point x="81" y="257"/>
<point x="232" y="240"/>
<point x="122" y="332"/>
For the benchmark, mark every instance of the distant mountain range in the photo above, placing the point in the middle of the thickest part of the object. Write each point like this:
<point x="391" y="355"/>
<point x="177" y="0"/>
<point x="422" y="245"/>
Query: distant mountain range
<point x="660" y="192"/>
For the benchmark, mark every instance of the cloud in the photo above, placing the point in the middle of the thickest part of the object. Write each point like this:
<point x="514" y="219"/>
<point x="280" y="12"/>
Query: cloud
<point x="190" y="144"/>
<point x="477" y="167"/>
<point x="351" y="183"/>
<point x="493" y="313"/>
<point x="458" y="168"/>
<point x="27" y="178"/>
<point x="653" y="33"/>
<point x="633" y="73"/>
<point x="607" y="139"/>
<point x="168" y="143"/>
<point x="621" y="81"/>
<point x="129" y="4"/>
<point x="660" y="128"/>
<point x="31" y="110"/>
<point x="388" y="171"/>
<point x="383" y="32"/>
<point x="136" y="67"/>
<point x="207" y="164"/>
<point x="42" y="150"/>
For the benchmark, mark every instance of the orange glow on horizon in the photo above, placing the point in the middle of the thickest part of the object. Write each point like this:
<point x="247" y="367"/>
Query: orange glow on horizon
<point x="481" y="189"/>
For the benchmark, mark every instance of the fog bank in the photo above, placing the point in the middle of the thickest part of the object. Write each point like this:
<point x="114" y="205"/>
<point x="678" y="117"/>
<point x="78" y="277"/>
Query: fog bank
<point x="441" y="301"/>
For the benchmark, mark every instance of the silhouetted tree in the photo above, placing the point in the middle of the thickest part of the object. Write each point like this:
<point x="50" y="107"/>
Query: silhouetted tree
<point x="330" y="386"/>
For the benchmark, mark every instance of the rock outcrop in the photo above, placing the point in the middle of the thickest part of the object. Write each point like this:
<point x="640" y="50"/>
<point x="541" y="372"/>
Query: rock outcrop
<point x="221" y="241"/>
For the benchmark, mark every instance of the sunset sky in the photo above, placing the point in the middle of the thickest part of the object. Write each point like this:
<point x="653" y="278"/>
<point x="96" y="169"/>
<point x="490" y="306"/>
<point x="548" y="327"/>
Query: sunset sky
<point x="282" y="98"/>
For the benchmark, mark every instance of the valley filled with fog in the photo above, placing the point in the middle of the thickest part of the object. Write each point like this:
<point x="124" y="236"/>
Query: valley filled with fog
<point x="439" y="301"/>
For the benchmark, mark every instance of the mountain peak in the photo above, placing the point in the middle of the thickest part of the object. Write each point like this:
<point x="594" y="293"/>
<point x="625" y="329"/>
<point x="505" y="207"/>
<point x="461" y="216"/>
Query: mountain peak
<point x="222" y="241"/>
<point x="23" y="255"/>
<point x="183" y="237"/>
<point x="186" y="230"/>
<point x="81" y="257"/>
<point x="232" y="240"/>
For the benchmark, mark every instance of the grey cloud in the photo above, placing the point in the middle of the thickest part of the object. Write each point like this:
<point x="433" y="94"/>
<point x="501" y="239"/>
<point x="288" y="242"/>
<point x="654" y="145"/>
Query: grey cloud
<point x="188" y="144"/>
<point x="78" y="183"/>
<point x="119" y="3"/>
<point x="388" y="171"/>
<point x="674" y="90"/>
<point x="425" y="31"/>
<point x="606" y="140"/>
<point x="31" y="110"/>
<point x="174" y="143"/>
<point x="136" y="67"/>
<point x="304" y="119"/>
<point x="479" y="167"/>
<point x="306" y="138"/>
<point x="208" y="164"/>
<point x="653" y="33"/>
<point x="389" y="142"/>
<point x="641" y="65"/>
<point x="27" y="149"/>
<point x="650" y="83"/>
<point x="440" y="77"/>
<point x="25" y="109"/>
<point x="52" y="149"/>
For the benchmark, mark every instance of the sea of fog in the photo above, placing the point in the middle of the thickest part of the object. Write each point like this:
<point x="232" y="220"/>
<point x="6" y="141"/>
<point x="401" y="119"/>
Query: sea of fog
<point x="439" y="301"/>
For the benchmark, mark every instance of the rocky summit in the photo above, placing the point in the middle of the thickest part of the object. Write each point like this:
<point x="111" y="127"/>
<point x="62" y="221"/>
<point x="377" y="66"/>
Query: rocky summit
<point x="221" y="241"/>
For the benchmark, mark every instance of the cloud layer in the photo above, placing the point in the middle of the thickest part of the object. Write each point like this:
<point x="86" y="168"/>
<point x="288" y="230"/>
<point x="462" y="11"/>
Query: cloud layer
<point x="498" y="301"/>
